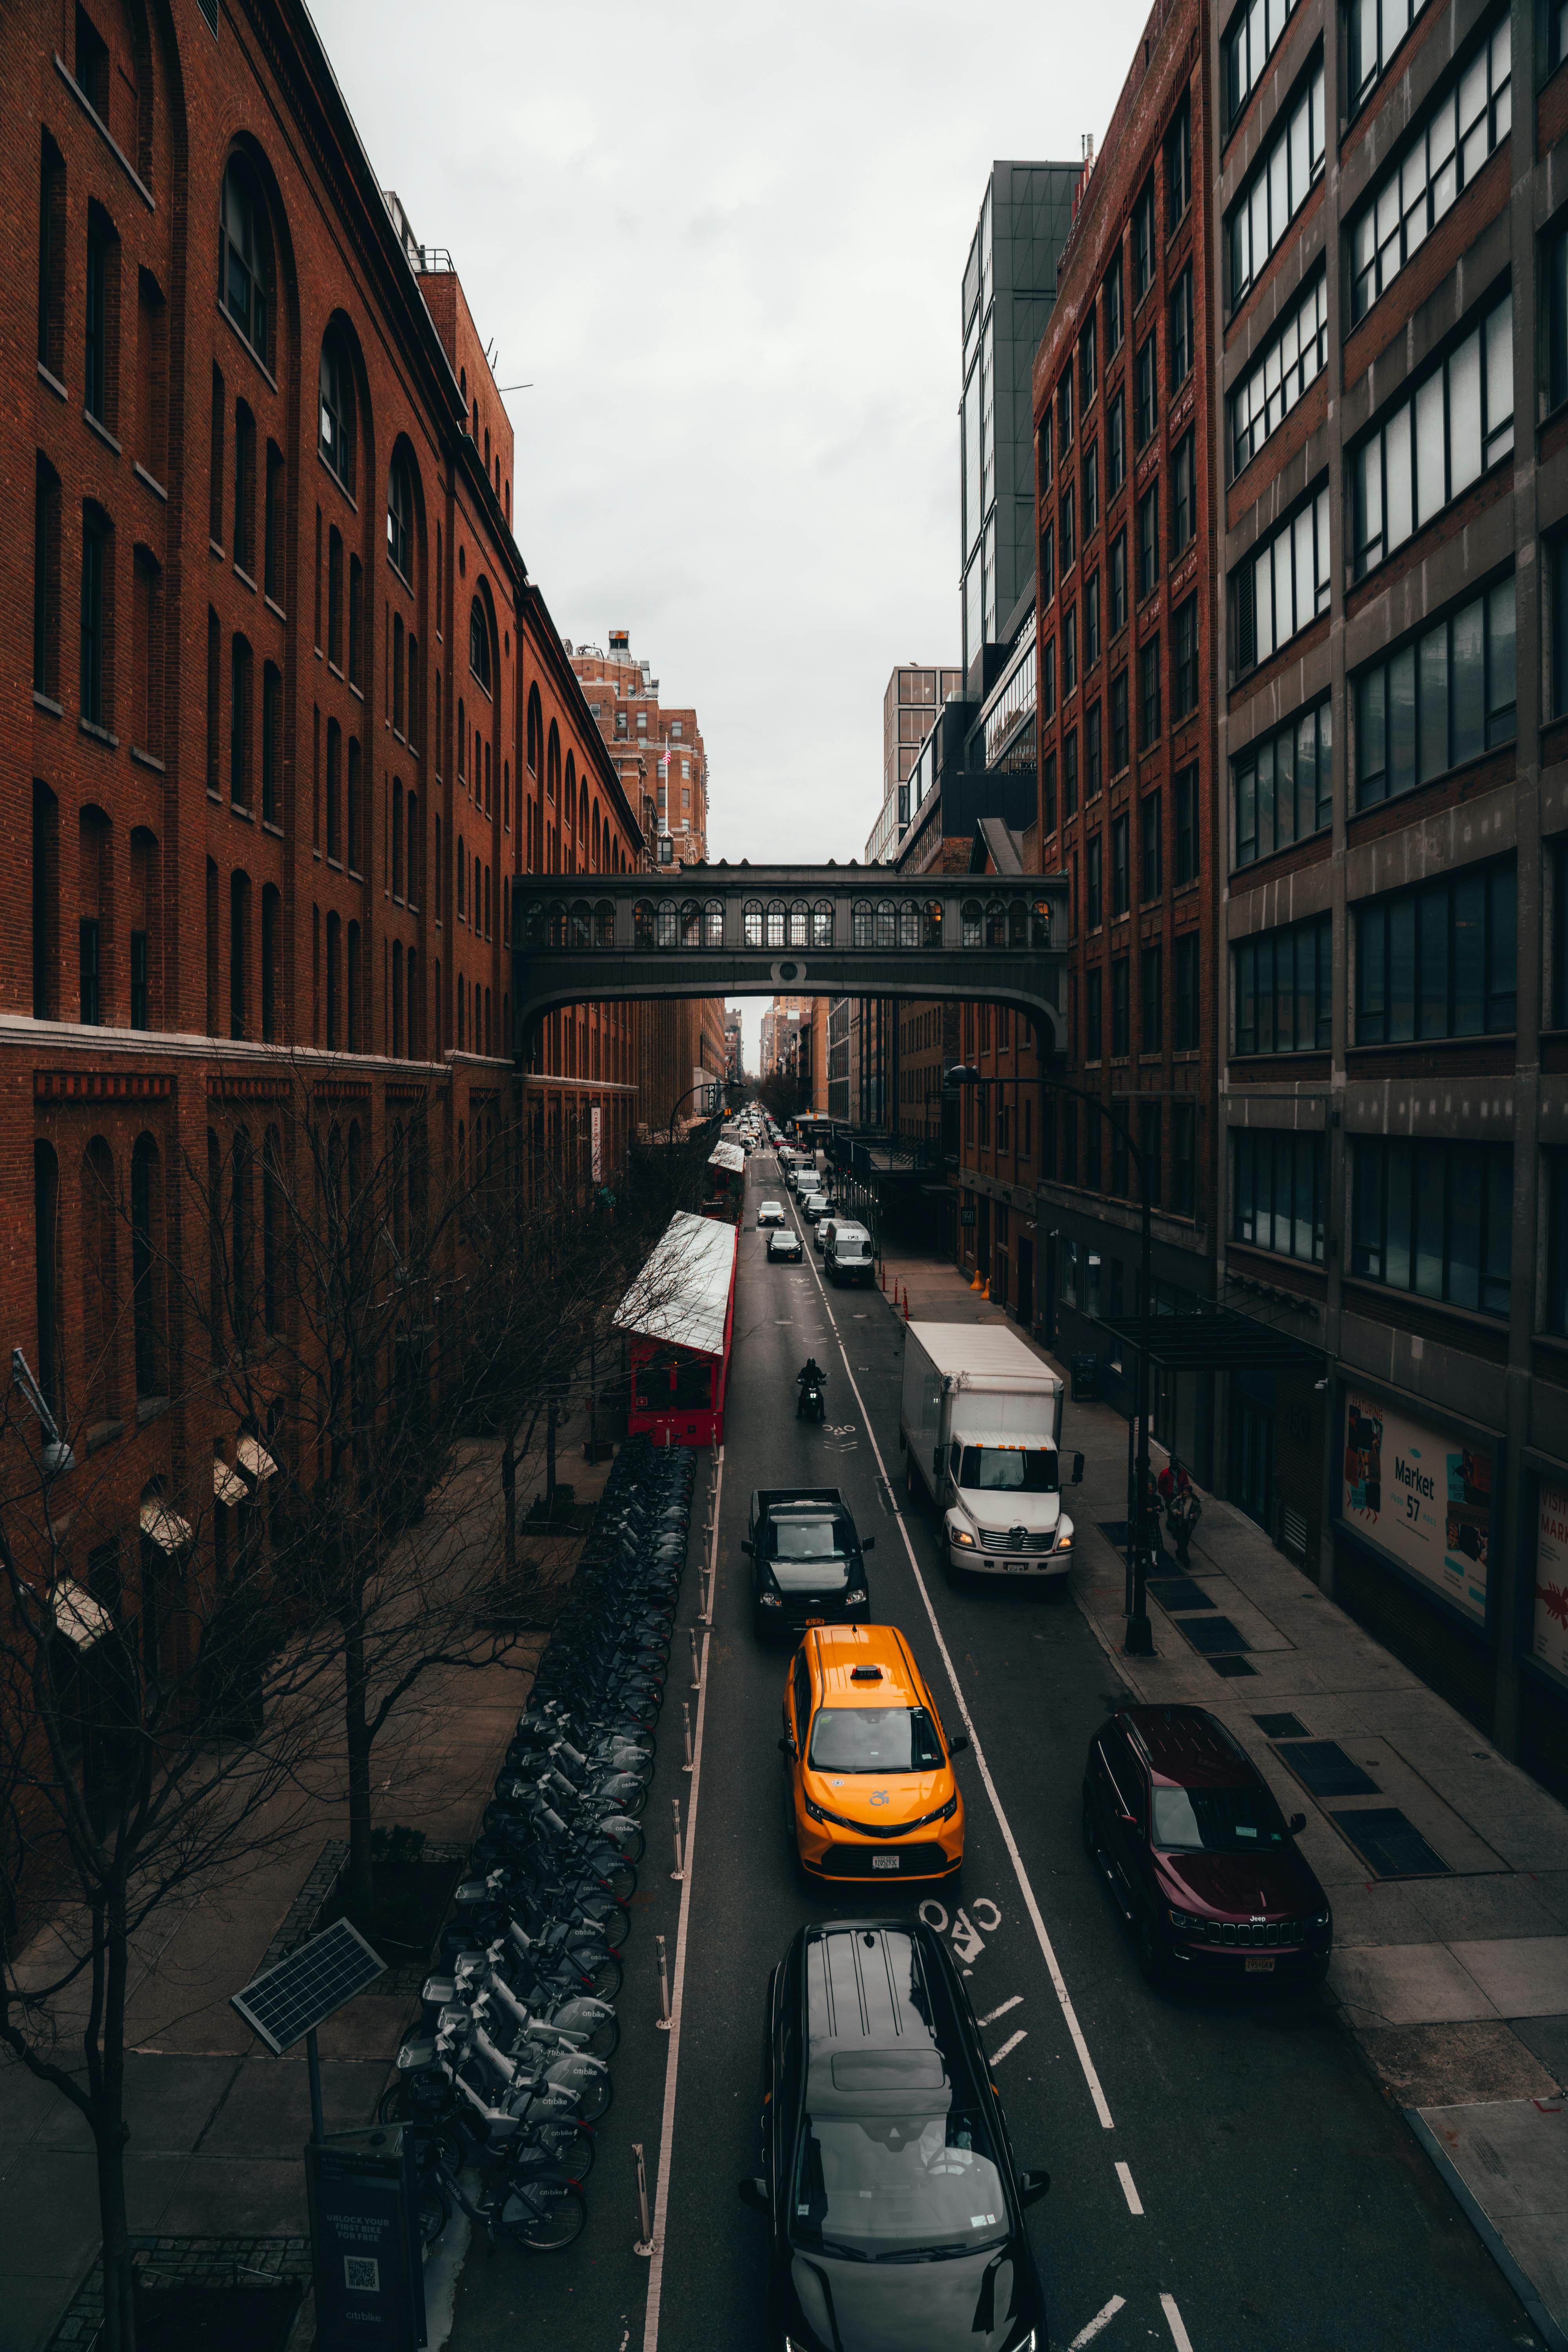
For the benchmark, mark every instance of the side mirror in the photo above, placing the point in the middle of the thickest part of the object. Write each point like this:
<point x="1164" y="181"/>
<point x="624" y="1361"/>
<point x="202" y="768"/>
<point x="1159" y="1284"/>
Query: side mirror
<point x="1032" y="2186"/>
<point x="1076" y="1479"/>
<point x="786" y="1746"/>
<point x="754" y="2194"/>
<point x="746" y="1547"/>
<point x="956" y="1747"/>
<point x="1297" y="1823"/>
<point x="867" y="1543"/>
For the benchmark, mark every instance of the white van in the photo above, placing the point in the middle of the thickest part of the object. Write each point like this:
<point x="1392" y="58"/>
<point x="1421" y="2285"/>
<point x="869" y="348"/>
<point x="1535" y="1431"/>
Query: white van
<point x="847" y="1251"/>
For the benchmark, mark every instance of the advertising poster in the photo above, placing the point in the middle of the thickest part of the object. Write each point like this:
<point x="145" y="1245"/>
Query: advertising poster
<point x="595" y="1141"/>
<point x="1422" y="1497"/>
<point x="1551" y="1579"/>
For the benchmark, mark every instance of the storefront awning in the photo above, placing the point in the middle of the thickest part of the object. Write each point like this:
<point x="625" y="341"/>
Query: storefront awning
<point x="682" y="1294"/>
<point x="166" y="1528"/>
<point x="255" y="1460"/>
<point x="81" y="1618"/>
<point x="228" y="1486"/>
<point x="1217" y="1340"/>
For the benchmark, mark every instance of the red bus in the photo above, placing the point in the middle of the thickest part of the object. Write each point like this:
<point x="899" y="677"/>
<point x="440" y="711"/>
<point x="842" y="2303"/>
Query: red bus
<point x="679" y="1318"/>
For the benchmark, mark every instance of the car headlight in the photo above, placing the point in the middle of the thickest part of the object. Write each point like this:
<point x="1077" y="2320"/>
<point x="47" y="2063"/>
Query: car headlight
<point x="815" y="1810"/>
<point x="770" y="1601"/>
<point x="1064" y="1543"/>
<point x="1190" y="1920"/>
<point x="1322" y="1919"/>
<point x="962" y="1535"/>
<point x="949" y="1809"/>
<point x="855" y="1599"/>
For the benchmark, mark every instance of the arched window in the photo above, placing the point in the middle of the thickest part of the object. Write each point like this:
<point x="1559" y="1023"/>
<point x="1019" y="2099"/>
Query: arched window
<point x="553" y="765"/>
<point x="1018" y="924"/>
<point x="336" y="434"/>
<point x="995" y="923"/>
<point x="861" y="923"/>
<point x="799" y="923"/>
<point x="535" y="730"/>
<point x="776" y="918"/>
<point x="822" y="924"/>
<point x="713" y="923"/>
<point x="569" y="804"/>
<point x="885" y="922"/>
<point x="642" y="922"/>
<point x="971" y="921"/>
<point x="691" y="924"/>
<point x="245" y="259"/>
<point x="400" y="519"/>
<point x="751" y="923"/>
<point x="479" y="643"/>
<point x="669" y="918"/>
<point x="580" y="934"/>
<point x="603" y="924"/>
<point x="1040" y="923"/>
<point x="909" y="923"/>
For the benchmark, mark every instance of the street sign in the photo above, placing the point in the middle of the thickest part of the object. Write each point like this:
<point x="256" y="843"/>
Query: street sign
<point x="967" y="1216"/>
<point x="370" y="2284"/>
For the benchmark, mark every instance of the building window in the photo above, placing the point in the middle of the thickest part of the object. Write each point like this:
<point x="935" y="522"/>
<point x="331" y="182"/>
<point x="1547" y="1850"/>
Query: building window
<point x="334" y="791"/>
<point x="1432" y="170"/>
<point x="1283" y="786"/>
<point x="244" y="545"/>
<point x="1065" y="515"/>
<point x="1143" y="241"/>
<point x="89" y="971"/>
<point x="1439" y="960"/>
<point x="335" y="598"/>
<point x="1148" y="692"/>
<point x="1287" y="172"/>
<point x="1094" y="912"/>
<point x="1186" y="824"/>
<point x="1119" y="752"/>
<point x="1120" y="1042"/>
<point x="1279" y="1187"/>
<point x="273" y="522"/>
<point x="1152" y="1017"/>
<point x="1435" y="1218"/>
<point x="356" y="620"/>
<point x="480" y="645"/>
<point x="1064" y="415"/>
<point x="51" y="259"/>
<point x="1455" y="426"/>
<point x="336" y="437"/>
<point x="1092" y="621"/>
<point x="1440" y="701"/>
<point x="1093" y="1014"/>
<point x="1145" y="390"/>
<point x="1049" y="791"/>
<point x="1116" y="445"/>
<point x="1186" y="977"/>
<point x="1150" y="861"/>
<point x="1294" y="357"/>
<point x="1184" y="493"/>
<point x="400" y="520"/>
<point x="1178" y="165"/>
<point x="1148" y="541"/>
<point x="97" y="549"/>
<point x="1047" y="569"/>
<point x="1185" y="660"/>
<point x="1283" y="587"/>
<point x="1120" y="877"/>
<point x="47" y="582"/>
<point x="1184" y="1160"/>
<point x="1373" y="30"/>
<point x="1555" y="292"/>
<point x="239" y="723"/>
<point x="1070" y="652"/>
<point x="1182" y="329"/>
<point x="1048" y="680"/>
<point x="1091" y="490"/>
<point x="1069" y="774"/>
<point x="244" y="261"/>
<point x="1119" y="583"/>
<point x="1284" y="990"/>
<point x="1248" y="42"/>
<point x="1094" y="757"/>
<point x="1113" y="328"/>
<point x="1087" y="363"/>
<point x="102" y="278"/>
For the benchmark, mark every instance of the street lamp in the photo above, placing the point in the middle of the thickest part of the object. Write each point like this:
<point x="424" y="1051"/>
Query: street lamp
<point x="1139" y="1640"/>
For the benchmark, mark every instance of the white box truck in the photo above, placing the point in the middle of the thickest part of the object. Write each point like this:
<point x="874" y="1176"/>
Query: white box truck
<point x="981" y="1425"/>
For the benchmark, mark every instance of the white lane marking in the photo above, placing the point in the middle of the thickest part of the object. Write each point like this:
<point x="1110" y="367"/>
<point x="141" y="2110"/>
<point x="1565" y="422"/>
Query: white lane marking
<point x="1059" y="1983"/>
<point x="1102" y="2319"/>
<point x="982" y="1902"/>
<point x="1134" y="2202"/>
<point x="939" y="1922"/>
<point x="1010" y="2045"/>
<point x="672" y="2061"/>
<point x="968" y="1940"/>
<point x="1179" y="2337"/>
<point x="992" y="2015"/>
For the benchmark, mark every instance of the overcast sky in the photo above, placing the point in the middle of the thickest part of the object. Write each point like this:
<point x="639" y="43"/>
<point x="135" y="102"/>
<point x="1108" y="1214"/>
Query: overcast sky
<point x="726" y="244"/>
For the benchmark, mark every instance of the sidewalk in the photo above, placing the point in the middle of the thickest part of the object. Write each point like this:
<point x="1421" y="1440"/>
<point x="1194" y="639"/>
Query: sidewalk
<point x="1446" y="1866"/>
<point x="215" y="2177"/>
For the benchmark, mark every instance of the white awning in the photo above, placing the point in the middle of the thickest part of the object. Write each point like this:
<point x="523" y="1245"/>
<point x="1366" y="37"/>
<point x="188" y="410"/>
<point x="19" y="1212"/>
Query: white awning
<point x="166" y="1528"/>
<point x="728" y="1156"/>
<point x="255" y="1460"/>
<point x="81" y="1618"/>
<point x="228" y="1486"/>
<point x="682" y="1294"/>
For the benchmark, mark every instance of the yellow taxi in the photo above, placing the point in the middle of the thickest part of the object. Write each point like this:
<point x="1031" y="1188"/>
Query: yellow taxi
<point x="872" y="1792"/>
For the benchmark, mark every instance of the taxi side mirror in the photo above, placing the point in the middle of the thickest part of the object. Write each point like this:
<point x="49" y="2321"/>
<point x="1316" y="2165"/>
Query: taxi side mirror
<point x="754" y="2194"/>
<point x="867" y="1543"/>
<point x="1297" y="1823"/>
<point x="786" y="1746"/>
<point x="956" y="1747"/>
<point x="1032" y="2186"/>
<point x="746" y="1544"/>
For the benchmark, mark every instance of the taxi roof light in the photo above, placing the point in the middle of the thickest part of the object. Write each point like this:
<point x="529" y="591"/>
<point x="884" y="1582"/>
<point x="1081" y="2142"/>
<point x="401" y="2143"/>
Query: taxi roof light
<point x="866" y="1674"/>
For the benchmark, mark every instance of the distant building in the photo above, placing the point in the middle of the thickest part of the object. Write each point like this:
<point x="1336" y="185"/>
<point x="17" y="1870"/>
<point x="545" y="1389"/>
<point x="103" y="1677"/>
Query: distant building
<point x="734" y="1063"/>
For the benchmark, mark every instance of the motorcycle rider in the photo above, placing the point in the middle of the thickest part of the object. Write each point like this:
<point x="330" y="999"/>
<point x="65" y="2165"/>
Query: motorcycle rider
<point x="810" y="1376"/>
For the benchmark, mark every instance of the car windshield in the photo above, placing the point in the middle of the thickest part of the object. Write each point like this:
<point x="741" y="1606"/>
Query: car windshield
<point x="1216" y="1820"/>
<point x="874" y="1740"/>
<point x="808" y="1540"/>
<point x="1018" y="1469"/>
<point x="878" y="2188"/>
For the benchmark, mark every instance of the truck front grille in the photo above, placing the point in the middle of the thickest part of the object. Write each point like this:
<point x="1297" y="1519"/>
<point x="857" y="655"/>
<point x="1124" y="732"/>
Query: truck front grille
<point x="1004" y="1539"/>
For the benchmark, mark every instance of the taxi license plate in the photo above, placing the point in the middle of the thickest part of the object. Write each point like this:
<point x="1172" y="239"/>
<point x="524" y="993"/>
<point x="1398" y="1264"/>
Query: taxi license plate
<point x="885" y="1862"/>
<point x="817" y="1621"/>
<point x="1260" y="1967"/>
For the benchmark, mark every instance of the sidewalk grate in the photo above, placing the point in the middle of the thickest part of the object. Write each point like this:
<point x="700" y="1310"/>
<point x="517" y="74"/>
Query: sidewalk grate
<point x="1210" y="1635"/>
<point x="1231" y="1668"/>
<point x="1395" y="1846"/>
<point x="1323" y="1767"/>
<point x="1114" y="1531"/>
<point x="1174" y="1592"/>
<point x="1280" y="1727"/>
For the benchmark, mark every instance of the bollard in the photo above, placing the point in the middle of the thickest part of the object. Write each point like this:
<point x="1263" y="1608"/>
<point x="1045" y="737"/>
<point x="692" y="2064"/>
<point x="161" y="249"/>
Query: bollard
<point x="686" y="1723"/>
<point x="645" y="2244"/>
<point x="664" y="2021"/>
<point x="706" y="1610"/>
<point x="695" y="1663"/>
<point x="678" y="1870"/>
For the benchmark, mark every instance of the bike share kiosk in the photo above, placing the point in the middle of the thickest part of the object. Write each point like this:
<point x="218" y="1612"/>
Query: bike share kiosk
<point x="364" y="2240"/>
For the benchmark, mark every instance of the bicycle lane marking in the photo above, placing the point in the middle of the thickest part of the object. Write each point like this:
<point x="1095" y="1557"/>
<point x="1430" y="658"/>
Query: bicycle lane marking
<point x="1059" y="1983"/>
<point x="677" y="1998"/>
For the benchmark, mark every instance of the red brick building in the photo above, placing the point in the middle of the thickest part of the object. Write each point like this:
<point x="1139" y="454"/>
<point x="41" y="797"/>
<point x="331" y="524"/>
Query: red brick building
<point x="1128" y="585"/>
<point x="294" y="713"/>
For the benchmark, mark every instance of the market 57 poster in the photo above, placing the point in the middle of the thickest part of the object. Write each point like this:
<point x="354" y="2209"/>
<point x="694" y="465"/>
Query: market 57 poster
<point x="1422" y="1497"/>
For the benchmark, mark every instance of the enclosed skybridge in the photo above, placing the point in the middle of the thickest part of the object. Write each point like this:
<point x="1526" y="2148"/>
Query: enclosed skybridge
<point x="798" y="930"/>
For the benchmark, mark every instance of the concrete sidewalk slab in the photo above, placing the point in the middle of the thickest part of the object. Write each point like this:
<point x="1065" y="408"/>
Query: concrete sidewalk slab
<point x="1407" y="1984"/>
<point x="1450" y="2065"/>
<point x="1508" y="2164"/>
<point x="1522" y="1976"/>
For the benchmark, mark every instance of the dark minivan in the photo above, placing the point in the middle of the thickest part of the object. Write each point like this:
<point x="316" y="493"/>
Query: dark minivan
<point x="894" y="2205"/>
<point x="1201" y="1862"/>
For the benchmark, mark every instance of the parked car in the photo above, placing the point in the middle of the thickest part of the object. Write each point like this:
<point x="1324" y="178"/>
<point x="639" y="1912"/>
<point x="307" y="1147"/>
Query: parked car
<point x="771" y="1213"/>
<point x="893" y="2200"/>
<point x="784" y="1245"/>
<point x="1199" y="1859"/>
<point x="814" y="1206"/>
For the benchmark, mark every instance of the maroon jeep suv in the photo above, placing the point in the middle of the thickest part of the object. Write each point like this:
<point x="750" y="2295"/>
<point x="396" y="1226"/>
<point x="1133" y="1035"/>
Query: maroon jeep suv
<point x="1202" y="1864"/>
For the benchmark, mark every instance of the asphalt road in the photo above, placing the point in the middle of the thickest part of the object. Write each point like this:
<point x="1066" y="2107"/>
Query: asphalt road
<point x="1224" y="2174"/>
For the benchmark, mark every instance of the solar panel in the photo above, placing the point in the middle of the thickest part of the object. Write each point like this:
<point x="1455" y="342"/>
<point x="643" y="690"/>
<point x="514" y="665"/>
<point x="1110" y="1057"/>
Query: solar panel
<point x="309" y="1987"/>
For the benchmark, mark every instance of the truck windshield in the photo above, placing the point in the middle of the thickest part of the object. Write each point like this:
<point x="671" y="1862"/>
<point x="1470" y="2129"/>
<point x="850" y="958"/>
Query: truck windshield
<point x="808" y="1540"/>
<point x="1020" y="1469"/>
<point x="874" y="1740"/>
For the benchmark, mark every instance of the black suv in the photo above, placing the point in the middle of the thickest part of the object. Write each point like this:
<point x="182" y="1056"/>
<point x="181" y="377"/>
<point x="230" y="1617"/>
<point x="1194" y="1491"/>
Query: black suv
<point x="894" y="2206"/>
